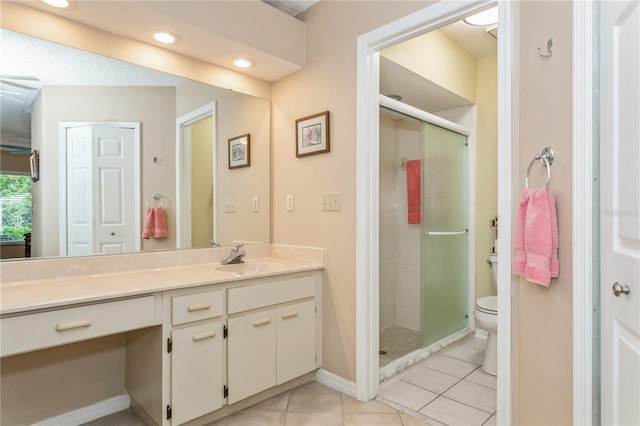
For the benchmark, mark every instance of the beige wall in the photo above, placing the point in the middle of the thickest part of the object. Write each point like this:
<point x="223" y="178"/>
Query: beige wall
<point x="237" y="114"/>
<point x="454" y="69"/>
<point x="43" y="384"/>
<point x="328" y="82"/>
<point x="542" y="318"/>
<point x="153" y="107"/>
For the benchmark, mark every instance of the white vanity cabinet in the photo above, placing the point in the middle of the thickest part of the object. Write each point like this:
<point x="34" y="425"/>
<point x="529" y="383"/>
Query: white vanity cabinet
<point x="197" y="353"/>
<point x="272" y="334"/>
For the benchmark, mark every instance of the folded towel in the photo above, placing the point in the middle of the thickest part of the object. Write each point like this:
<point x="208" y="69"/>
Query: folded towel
<point x="149" y="226"/>
<point x="160" y="223"/>
<point x="555" y="263"/>
<point x="520" y="256"/>
<point x="537" y="238"/>
<point x="155" y="223"/>
<point x="413" y="190"/>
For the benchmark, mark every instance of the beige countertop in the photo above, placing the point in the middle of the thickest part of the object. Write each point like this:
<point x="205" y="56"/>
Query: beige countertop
<point x="57" y="291"/>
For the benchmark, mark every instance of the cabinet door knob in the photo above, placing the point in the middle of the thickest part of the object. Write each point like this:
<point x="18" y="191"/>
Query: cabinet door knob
<point x="619" y="289"/>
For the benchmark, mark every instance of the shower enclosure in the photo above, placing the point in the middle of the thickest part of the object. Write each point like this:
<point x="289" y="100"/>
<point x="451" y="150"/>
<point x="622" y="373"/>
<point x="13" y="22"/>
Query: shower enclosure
<point x="423" y="279"/>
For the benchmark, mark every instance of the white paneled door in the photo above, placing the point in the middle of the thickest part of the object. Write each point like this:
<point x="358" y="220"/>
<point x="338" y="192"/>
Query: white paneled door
<point x="101" y="189"/>
<point x="620" y="206"/>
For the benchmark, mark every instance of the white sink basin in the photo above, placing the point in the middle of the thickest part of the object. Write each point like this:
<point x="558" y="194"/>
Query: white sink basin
<point x="250" y="267"/>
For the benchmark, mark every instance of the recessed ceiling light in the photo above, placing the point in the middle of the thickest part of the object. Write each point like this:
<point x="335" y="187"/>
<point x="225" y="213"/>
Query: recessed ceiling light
<point x="486" y="17"/>
<point x="243" y="63"/>
<point x="164" y="37"/>
<point x="57" y="3"/>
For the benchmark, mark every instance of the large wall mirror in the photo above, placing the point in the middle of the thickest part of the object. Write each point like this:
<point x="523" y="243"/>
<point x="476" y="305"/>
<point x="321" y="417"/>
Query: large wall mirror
<point x="80" y="111"/>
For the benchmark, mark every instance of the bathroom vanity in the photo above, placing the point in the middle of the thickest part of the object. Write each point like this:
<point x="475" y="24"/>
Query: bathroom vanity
<point x="201" y="340"/>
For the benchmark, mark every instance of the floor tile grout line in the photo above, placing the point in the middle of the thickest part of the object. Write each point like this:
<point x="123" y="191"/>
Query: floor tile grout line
<point x="463" y="403"/>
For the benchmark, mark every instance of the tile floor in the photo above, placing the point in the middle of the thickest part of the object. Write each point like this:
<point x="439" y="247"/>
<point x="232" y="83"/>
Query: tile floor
<point x="448" y="388"/>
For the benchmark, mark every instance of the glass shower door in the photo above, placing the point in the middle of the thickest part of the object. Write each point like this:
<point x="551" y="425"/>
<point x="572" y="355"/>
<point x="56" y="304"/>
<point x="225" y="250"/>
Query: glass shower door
<point x="444" y="271"/>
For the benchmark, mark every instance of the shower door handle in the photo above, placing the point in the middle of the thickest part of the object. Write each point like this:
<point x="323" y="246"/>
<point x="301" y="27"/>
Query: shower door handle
<point x="446" y="232"/>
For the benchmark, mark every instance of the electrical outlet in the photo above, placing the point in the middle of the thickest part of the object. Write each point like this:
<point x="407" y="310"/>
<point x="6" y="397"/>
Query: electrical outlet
<point x="256" y="204"/>
<point x="229" y="206"/>
<point x="290" y="204"/>
<point x="330" y="202"/>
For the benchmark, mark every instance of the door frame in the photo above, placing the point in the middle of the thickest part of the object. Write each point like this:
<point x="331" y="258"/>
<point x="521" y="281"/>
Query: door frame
<point x="583" y="216"/>
<point x="367" y="175"/>
<point x="183" y="172"/>
<point x="62" y="177"/>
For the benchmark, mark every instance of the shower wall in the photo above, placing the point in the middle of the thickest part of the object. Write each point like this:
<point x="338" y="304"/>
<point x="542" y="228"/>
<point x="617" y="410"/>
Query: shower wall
<point x="399" y="240"/>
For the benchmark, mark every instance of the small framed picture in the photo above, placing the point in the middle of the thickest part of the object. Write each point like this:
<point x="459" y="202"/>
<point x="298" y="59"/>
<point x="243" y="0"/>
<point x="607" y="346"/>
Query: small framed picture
<point x="239" y="148"/>
<point x="312" y="134"/>
<point x="34" y="162"/>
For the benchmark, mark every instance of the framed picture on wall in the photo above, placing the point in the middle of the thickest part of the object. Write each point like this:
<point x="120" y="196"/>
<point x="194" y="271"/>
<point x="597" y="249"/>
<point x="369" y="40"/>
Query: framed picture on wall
<point x="34" y="162"/>
<point x="239" y="151"/>
<point x="312" y="134"/>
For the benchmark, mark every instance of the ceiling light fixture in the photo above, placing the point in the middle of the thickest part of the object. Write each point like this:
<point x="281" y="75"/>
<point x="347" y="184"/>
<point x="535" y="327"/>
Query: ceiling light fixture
<point x="57" y="3"/>
<point x="164" y="37"/>
<point x="243" y="63"/>
<point x="486" y="17"/>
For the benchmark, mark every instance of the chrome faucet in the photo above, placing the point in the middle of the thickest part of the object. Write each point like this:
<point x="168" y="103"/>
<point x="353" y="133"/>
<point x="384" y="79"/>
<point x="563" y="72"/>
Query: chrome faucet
<point x="235" y="256"/>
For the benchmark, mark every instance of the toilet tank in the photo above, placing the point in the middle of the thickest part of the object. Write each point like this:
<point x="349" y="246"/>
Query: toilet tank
<point x="493" y="264"/>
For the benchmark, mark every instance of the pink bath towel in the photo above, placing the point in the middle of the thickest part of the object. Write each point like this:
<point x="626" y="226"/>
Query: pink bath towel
<point x="413" y="190"/>
<point x="155" y="223"/>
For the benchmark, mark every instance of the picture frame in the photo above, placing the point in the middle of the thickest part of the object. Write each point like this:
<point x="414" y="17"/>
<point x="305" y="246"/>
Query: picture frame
<point x="312" y="135"/>
<point x="240" y="151"/>
<point x="34" y="163"/>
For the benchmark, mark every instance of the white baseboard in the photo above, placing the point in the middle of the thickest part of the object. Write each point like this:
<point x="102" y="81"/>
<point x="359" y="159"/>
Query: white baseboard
<point x="89" y="413"/>
<point x="336" y="382"/>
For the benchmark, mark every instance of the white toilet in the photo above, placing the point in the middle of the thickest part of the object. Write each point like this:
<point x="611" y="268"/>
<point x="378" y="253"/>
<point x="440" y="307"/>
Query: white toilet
<point x="486" y="314"/>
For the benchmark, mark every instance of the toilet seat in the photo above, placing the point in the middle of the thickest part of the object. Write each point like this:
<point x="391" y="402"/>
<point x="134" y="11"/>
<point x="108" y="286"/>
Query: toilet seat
<point x="488" y="305"/>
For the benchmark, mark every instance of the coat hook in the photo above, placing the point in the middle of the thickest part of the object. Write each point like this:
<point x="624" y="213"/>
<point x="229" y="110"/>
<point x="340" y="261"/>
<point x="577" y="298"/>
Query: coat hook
<point x="549" y="49"/>
<point x="155" y="159"/>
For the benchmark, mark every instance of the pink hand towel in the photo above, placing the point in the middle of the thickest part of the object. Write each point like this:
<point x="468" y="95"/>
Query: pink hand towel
<point x="413" y="190"/>
<point x="538" y="238"/>
<point x="520" y="256"/>
<point x="160" y="223"/>
<point x="555" y="263"/>
<point x="149" y="226"/>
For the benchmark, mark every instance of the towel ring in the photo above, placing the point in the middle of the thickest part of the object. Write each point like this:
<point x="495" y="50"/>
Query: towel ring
<point x="546" y="157"/>
<point x="156" y="196"/>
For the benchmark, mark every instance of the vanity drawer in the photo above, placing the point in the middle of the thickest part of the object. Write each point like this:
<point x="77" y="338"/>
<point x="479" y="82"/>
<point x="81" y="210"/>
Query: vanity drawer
<point x="261" y="295"/>
<point x="52" y="328"/>
<point x="194" y="307"/>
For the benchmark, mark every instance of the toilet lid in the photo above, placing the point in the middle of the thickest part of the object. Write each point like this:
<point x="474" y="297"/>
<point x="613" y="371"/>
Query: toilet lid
<point x="488" y="305"/>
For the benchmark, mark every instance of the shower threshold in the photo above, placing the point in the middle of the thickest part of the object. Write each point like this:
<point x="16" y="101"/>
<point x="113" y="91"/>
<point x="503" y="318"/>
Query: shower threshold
<point x="404" y="341"/>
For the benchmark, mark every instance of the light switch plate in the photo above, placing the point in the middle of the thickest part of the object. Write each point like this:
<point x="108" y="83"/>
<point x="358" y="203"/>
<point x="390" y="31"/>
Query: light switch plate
<point x="256" y="204"/>
<point x="290" y="204"/>
<point x="330" y="202"/>
<point x="229" y="206"/>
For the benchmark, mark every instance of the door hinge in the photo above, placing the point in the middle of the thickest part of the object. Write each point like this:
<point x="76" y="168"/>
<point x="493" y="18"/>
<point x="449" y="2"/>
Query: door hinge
<point x="168" y="412"/>
<point x="169" y="345"/>
<point x="225" y="332"/>
<point x="225" y="392"/>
